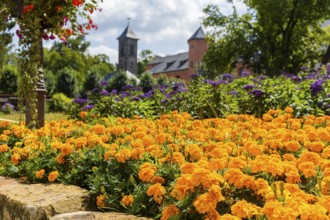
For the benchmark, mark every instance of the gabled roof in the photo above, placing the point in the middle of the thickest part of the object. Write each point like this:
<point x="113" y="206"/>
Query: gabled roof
<point x="128" y="33"/>
<point x="199" y="34"/>
<point x="170" y="63"/>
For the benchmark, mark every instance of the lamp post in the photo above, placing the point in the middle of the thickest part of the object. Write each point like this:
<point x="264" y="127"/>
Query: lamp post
<point x="256" y="60"/>
<point x="240" y="64"/>
<point x="40" y="85"/>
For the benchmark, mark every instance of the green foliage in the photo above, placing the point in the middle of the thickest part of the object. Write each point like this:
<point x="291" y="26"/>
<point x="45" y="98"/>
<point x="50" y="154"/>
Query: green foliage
<point x="287" y="34"/>
<point x="66" y="83"/>
<point x="147" y="82"/>
<point x="307" y="93"/>
<point x="90" y="83"/>
<point x="59" y="103"/>
<point x="117" y="81"/>
<point x="8" y="79"/>
<point x="145" y="56"/>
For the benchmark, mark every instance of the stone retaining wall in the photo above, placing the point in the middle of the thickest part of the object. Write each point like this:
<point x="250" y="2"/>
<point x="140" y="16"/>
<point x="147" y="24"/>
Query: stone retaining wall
<point x="19" y="201"/>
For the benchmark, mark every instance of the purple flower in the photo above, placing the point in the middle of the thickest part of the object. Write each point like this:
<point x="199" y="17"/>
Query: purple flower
<point x="248" y="86"/>
<point x="194" y="76"/>
<point x="256" y="92"/>
<point x="245" y="74"/>
<point x="316" y="87"/>
<point x="148" y="94"/>
<point x="128" y="87"/>
<point x="103" y="83"/>
<point x="7" y="105"/>
<point x="114" y="92"/>
<point x="80" y="101"/>
<point x="233" y="92"/>
<point x="179" y="87"/>
<point x="88" y="107"/>
<point x="124" y="94"/>
<point x="95" y="90"/>
<point x="136" y="98"/>
<point x="228" y="76"/>
<point x="104" y="93"/>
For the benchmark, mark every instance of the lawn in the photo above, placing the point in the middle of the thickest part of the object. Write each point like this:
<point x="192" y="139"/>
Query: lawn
<point x="21" y="116"/>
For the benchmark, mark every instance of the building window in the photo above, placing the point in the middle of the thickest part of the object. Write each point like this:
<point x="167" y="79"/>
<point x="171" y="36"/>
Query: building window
<point x="122" y="51"/>
<point x="131" y="50"/>
<point x="192" y="46"/>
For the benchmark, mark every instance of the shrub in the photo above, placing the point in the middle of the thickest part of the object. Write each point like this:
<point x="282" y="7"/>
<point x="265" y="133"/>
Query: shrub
<point x="7" y="108"/>
<point x="59" y="103"/>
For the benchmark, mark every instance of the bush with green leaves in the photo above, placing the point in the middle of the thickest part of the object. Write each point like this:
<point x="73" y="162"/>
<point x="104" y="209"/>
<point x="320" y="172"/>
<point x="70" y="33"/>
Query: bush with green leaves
<point x="8" y="79"/>
<point x="59" y="103"/>
<point x="7" y="108"/>
<point x="306" y="92"/>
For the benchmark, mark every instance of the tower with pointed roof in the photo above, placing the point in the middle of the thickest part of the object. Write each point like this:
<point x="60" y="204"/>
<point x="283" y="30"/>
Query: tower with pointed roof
<point x="197" y="48"/>
<point x="128" y="46"/>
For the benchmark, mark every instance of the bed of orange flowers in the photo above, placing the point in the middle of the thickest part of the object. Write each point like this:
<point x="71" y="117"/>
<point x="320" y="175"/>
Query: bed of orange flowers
<point x="175" y="167"/>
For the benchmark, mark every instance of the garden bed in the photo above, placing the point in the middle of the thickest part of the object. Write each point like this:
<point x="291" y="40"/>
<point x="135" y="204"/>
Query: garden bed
<point x="184" y="168"/>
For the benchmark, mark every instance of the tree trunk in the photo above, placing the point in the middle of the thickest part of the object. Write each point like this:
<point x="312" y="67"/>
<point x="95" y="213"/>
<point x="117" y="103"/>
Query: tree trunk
<point x="326" y="56"/>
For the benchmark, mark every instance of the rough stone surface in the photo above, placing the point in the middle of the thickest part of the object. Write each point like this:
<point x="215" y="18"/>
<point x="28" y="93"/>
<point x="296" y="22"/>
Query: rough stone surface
<point x="39" y="201"/>
<point x="19" y="201"/>
<point x="96" y="216"/>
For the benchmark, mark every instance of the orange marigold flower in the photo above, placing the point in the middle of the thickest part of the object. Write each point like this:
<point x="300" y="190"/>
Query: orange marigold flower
<point x="66" y="149"/>
<point x="307" y="168"/>
<point x="100" y="201"/>
<point x="293" y="177"/>
<point x="325" y="202"/>
<point x="53" y="176"/>
<point x="83" y="114"/>
<point x="267" y="117"/>
<point x="158" y="179"/>
<point x="15" y="158"/>
<point x="316" y="146"/>
<point x="4" y="148"/>
<point x="205" y="203"/>
<point x="147" y="172"/>
<point x="98" y="129"/>
<point x="157" y="191"/>
<point x="292" y="146"/>
<point x="60" y="159"/>
<point x="169" y="211"/>
<point x="244" y="209"/>
<point x="288" y="109"/>
<point x="226" y="217"/>
<point x="40" y="173"/>
<point x="127" y="200"/>
<point x="123" y="155"/>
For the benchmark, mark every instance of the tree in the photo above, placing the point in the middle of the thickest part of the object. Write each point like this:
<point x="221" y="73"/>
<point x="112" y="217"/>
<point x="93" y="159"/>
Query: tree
<point x="8" y="79"/>
<point x="6" y="40"/>
<point x="288" y="34"/>
<point x="66" y="83"/>
<point x="145" y="56"/>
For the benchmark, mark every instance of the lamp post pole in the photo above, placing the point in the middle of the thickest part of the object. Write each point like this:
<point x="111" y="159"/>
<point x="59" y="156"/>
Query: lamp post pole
<point x="40" y="85"/>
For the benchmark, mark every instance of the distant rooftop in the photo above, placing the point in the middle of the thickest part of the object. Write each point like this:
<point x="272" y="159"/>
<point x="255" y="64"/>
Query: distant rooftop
<point x="170" y="63"/>
<point x="128" y="33"/>
<point x="199" y="34"/>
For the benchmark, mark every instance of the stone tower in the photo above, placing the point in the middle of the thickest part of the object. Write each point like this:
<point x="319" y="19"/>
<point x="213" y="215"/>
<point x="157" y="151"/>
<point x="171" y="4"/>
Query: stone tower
<point x="197" y="48"/>
<point x="128" y="46"/>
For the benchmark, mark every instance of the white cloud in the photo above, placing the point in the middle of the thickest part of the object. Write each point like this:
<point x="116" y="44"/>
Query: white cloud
<point x="162" y="26"/>
<point x="111" y="52"/>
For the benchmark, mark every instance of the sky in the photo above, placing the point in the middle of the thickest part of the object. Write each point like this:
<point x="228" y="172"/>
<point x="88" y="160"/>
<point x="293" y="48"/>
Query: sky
<point x="162" y="26"/>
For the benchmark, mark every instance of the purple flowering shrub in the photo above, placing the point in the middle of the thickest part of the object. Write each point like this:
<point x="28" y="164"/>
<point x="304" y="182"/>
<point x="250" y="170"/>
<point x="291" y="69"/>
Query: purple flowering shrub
<point x="7" y="108"/>
<point x="306" y="92"/>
